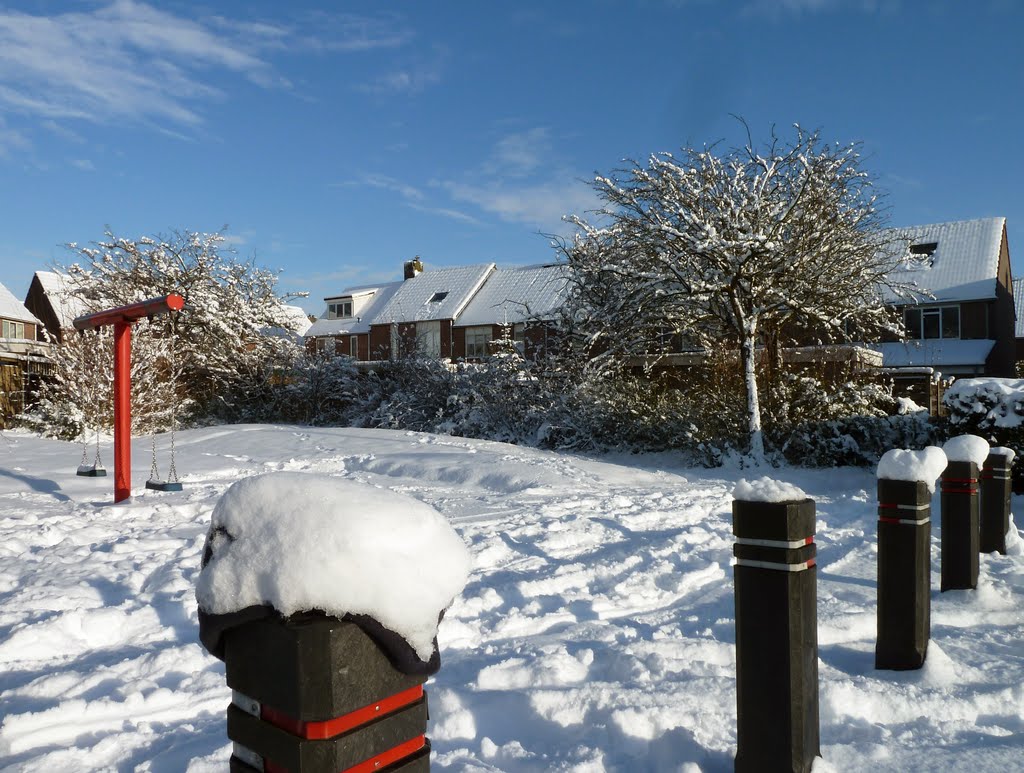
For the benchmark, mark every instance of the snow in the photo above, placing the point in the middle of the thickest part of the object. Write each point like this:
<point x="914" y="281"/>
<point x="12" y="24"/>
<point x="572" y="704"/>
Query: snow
<point x="1009" y="453"/>
<point x="997" y="402"/>
<point x="967" y="448"/>
<point x="901" y="464"/>
<point x="300" y="542"/>
<point x="515" y="294"/>
<point x="13" y="309"/>
<point x="412" y="300"/>
<point x="596" y="631"/>
<point x="766" y="489"/>
<point x="365" y="310"/>
<point x="942" y="353"/>
<point x="965" y="263"/>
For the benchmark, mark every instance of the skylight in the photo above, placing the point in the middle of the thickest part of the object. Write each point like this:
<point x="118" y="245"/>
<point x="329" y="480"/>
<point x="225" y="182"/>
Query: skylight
<point x="438" y="297"/>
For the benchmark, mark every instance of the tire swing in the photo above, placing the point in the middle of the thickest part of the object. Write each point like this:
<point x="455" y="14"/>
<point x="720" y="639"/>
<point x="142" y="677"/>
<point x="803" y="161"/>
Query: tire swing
<point x="171" y="482"/>
<point x="96" y="469"/>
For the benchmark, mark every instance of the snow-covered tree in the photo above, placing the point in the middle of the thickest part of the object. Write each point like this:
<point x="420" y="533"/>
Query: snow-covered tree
<point x="733" y="249"/>
<point x="216" y="356"/>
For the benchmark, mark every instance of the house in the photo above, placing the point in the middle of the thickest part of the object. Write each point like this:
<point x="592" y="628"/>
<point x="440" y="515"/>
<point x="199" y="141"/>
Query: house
<point x="514" y="302"/>
<point x="344" y="325"/>
<point x="50" y="299"/>
<point x="23" y="358"/>
<point x="421" y="313"/>
<point x="962" y="324"/>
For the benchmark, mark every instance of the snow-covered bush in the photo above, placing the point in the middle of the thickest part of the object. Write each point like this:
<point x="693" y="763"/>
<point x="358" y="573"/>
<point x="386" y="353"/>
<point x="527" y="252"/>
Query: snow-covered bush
<point x="858" y="440"/>
<point x="992" y="408"/>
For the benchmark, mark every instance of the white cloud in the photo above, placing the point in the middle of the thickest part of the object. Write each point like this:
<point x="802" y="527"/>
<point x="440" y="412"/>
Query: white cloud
<point x="83" y="164"/>
<point x="521" y="153"/>
<point x="541" y="205"/>
<point x="131" y="62"/>
<point x="414" y="197"/>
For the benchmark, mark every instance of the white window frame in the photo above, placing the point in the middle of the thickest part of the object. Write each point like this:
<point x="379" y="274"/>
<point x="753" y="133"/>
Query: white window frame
<point x="13" y="329"/>
<point x="340" y="309"/>
<point x="353" y="347"/>
<point x="428" y="338"/>
<point x="477" y="339"/>
<point x="932" y="311"/>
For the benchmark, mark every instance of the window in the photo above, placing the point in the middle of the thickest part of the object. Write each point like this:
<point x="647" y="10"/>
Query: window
<point x="925" y="249"/>
<point x="929" y="323"/>
<point x="13" y="329"/>
<point x="477" y="339"/>
<point x="428" y="338"/>
<point x="437" y="297"/>
<point x="339" y="310"/>
<point x="353" y="347"/>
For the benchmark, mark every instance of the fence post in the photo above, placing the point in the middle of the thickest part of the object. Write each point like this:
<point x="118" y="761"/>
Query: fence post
<point x="315" y="694"/>
<point x="995" y="500"/>
<point x="776" y="635"/>
<point x="904" y="565"/>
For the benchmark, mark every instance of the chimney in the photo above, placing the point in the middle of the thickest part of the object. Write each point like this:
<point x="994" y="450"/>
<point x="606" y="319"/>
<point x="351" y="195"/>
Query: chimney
<point x="413" y="267"/>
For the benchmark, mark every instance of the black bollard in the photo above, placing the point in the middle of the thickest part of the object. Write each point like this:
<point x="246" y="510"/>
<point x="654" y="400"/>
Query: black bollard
<point x="904" y="564"/>
<point x="315" y="694"/>
<point x="995" y="501"/>
<point x="776" y="636"/>
<point x="959" y="526"/>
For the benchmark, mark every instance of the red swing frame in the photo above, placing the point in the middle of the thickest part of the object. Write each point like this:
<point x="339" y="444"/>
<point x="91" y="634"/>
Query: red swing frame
<point x="122" y="318"/>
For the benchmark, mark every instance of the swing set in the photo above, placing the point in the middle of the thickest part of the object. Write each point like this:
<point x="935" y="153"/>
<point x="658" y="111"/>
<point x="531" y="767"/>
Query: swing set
<point x="122" y="319"/>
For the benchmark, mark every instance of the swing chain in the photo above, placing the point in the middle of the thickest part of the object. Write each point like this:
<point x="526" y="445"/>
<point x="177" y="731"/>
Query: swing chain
<point x="97" y="462"/>
<point x="172" y="473"/>
<point x="85" y="402"/>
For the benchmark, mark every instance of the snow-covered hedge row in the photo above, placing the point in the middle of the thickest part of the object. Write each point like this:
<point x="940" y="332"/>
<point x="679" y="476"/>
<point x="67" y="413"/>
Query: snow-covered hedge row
<point x="989" y="404"/>
<point x="859" y="440"/>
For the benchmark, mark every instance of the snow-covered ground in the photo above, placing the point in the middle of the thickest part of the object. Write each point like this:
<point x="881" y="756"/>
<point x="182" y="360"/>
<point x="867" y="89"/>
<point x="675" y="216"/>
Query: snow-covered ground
<point x="596" y="631"/>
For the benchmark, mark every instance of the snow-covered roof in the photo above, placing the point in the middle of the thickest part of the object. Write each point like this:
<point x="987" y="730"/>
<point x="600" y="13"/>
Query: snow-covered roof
<point x="298" y="322"/>
<point x="65" y="305"/>
<point x="435" y="294"/>
<point x="1018" y="305"/>
<point x="964" y="263"/>
<point x="12" y="308"/>
<point x="382" y="293"/>
<point x="938" y="353"/>
<point x="515" y="294"/>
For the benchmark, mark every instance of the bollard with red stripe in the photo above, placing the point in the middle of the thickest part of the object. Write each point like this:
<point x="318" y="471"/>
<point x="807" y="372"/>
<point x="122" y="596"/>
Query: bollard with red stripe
<point x="776" y="635"/>
<point x="959" y="539"/>
<point x="315" y="694"/>
<point x="904" y="574"/>
<point x="995" y="501"/>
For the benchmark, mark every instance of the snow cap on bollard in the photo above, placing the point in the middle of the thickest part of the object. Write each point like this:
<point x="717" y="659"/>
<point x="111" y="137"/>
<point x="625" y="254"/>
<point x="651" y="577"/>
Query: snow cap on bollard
<point x="925" y="465"/>
<point x="300" y="542"/>
<point x="967" y="448"/>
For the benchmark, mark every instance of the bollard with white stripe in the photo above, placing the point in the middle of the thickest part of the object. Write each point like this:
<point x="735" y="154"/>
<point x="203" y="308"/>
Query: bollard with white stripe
<point x="904" y="573"/>
<point x="776" y="635"/>
<point x="995" y="500"/>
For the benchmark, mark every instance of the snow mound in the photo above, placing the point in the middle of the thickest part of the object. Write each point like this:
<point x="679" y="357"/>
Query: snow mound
<point x="902" y="464"/>
<point x="301" y="542"/>
<point x="767" y="490"/>
<point x="966" y="448"/>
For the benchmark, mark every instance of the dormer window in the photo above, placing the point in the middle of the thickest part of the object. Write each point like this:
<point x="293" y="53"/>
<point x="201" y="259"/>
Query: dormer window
<point x="339" y="309"/>
<point x="438" y="297"/>
<point x="925" y="249"/>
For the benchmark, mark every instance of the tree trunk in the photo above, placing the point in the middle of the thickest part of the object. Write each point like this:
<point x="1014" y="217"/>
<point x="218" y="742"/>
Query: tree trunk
<point x="749" y="353"/>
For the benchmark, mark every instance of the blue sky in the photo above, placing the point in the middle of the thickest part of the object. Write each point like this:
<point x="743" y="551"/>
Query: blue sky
<point x="336" y="140"/>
